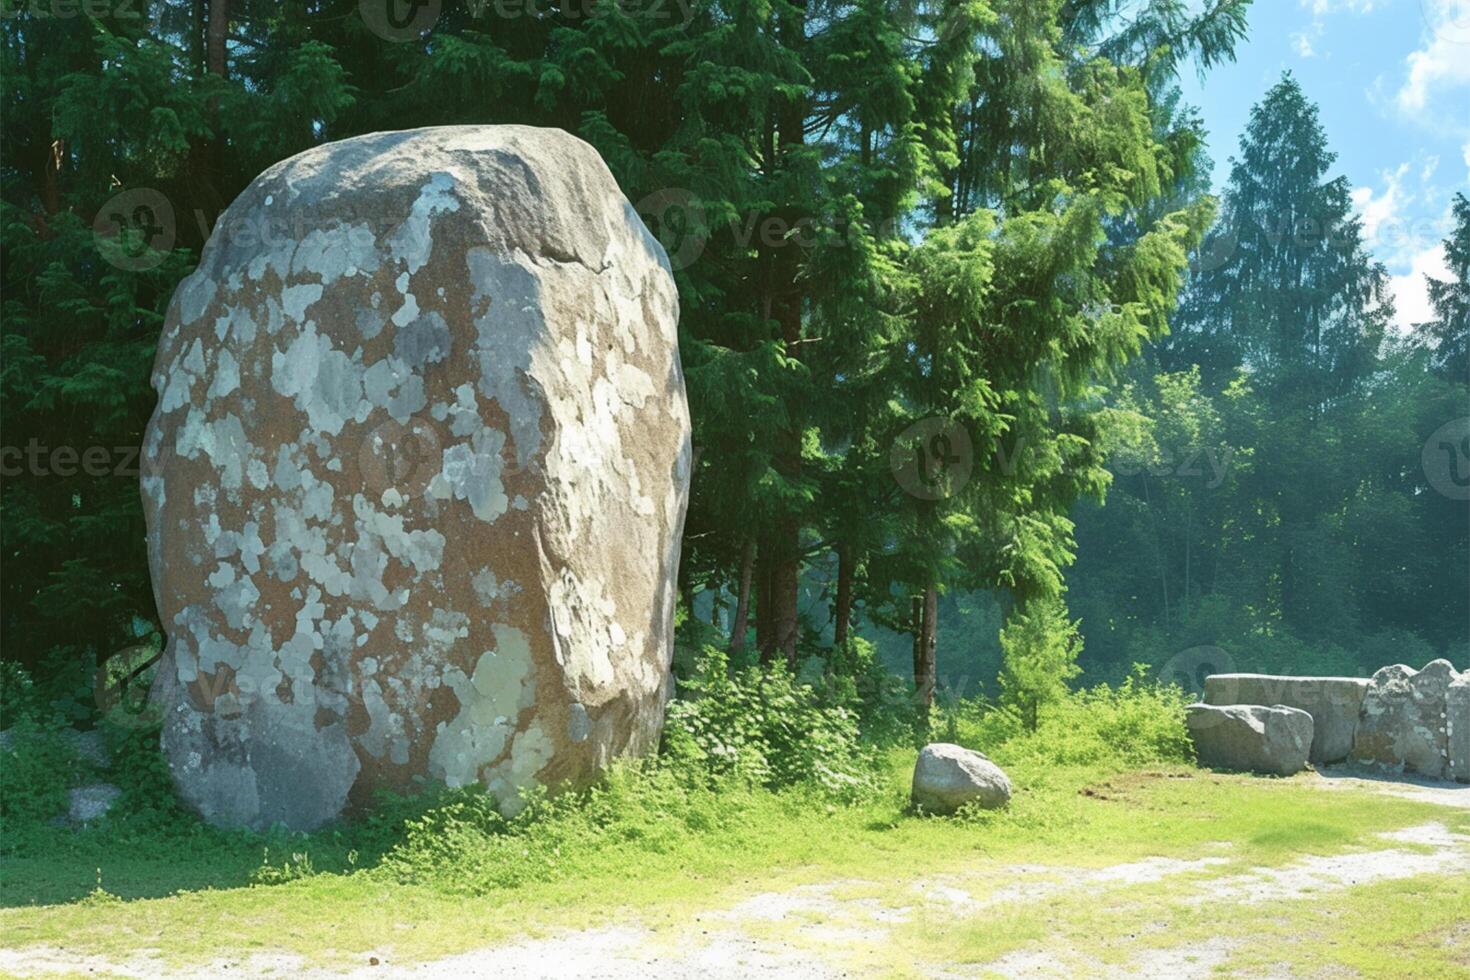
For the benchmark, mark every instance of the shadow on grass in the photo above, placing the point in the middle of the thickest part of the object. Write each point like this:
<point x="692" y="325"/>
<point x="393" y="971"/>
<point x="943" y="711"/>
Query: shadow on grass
<point x="136" y="869"/>
<point x="141" y="858"/>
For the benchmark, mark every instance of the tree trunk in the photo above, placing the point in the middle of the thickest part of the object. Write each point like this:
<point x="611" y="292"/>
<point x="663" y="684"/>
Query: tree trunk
<point x="219" y="28"/>
<point x="785" y="587"/>
<point x="764" y="620"/>
<point x="199" y="17"/>
<point x="923" y="618"/>
<point x="686" y="595"/>
<point x="786" y="308"/>
<point x="51" y="179"/>
<point x="845" y="573"/>
<point x="206" y="160"/>
<point x="742" y="602"/>
<point x="924" y="681"/>
<point x="916" y="630"/>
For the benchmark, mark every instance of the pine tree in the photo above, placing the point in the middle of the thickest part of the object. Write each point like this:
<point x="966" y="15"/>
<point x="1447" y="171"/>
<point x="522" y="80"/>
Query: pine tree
<point x="1449" y="331"/>
<point x="1062" y="233"/>
<point x="1287" y="289"/>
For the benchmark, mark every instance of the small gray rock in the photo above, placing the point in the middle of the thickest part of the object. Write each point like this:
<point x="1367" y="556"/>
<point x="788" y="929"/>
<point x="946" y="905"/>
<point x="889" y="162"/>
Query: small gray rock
<point x="1333" y="702"/>
<point x="92" y="802"/>
<point x="1251" y="737"/>
<point x="947" y="776"/>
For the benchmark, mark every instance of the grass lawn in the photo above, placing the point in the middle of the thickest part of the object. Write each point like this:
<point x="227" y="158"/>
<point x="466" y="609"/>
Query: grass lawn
<point x="657" y="854"/>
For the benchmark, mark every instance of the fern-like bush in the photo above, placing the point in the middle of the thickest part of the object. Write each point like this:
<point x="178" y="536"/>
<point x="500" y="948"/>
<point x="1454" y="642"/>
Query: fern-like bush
<point x="763" y="725"/>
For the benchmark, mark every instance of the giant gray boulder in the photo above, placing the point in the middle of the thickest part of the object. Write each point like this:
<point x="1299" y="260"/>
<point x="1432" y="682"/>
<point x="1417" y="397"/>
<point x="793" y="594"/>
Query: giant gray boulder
<point x="1251" y="737"/>
<point x="416" y="479"/>
<point x="1333" y="702"/>
<point x="947" y="777"/>
<point x="1403" y="721"/>
<point x="1457" y="727"/>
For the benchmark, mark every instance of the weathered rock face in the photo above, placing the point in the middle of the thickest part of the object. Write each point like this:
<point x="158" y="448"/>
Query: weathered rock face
<point x="416" y="479"/>
<point x="1403" y="721"/>
<point x="1333" y="702"/>
<point x="947" y="776"/>
<point x="1457" y="727"/>
<point x="1251" y="737"/>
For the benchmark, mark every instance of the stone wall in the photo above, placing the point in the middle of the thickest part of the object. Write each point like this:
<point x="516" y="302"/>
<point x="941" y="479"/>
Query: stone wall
<point x="1400" y="720"/>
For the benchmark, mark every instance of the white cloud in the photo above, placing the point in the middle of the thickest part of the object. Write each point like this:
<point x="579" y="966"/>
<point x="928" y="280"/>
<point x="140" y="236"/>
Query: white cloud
<point x="1411" y="292"/>
<point x="1443" y="62"/>
<point x="1305" y="41"/>
<point x="1380" y="211"/>
<point x="1321" y="8"/>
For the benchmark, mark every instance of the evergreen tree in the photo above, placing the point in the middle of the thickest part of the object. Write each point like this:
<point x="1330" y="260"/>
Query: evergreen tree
<point x="1449" y="331"/>
<point x="1287" y="289"/>
<point x="1062" y="240"/>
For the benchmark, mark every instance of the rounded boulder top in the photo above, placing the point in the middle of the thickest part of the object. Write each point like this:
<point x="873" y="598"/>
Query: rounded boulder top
<point x="416" y="479"/>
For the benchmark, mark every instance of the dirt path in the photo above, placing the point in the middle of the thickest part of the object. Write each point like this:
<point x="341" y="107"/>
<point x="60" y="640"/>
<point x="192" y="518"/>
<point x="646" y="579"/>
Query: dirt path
<point x="1405" y="787"/>
<point x="821" y="922"/>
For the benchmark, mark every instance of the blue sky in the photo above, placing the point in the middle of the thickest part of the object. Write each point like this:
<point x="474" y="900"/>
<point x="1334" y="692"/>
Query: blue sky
<point x="1392" y="79"/>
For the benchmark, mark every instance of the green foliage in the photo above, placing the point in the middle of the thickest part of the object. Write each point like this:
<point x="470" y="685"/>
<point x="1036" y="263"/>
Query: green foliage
<point x="767" y="727"/>
<point x="853" y="674"/>
<point x="35" y="773"/>
<point x="1040" y="645"/>
<point x="1271" y="497"/>
<point x="1139" y="722"/>
<point x="1449" y="332"/>
<point x="17" y="694"/>
<point x="463" y="844"/>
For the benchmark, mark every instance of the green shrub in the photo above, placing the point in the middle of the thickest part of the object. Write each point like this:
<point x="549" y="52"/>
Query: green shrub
<point x="1138" y="722"/>
<point x="17" y="694"/>
<point x="884" y="701"/>
<point x="462" y="844"/>
<point x="1040" y="645"/>
<point x="762" y="725"/>
<point x="35" y="774"/>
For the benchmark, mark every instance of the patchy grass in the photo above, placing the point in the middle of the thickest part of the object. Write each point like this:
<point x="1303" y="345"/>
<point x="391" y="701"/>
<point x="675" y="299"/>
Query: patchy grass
<point x="655" y="851"/>
<point x="1413" y="926"/>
